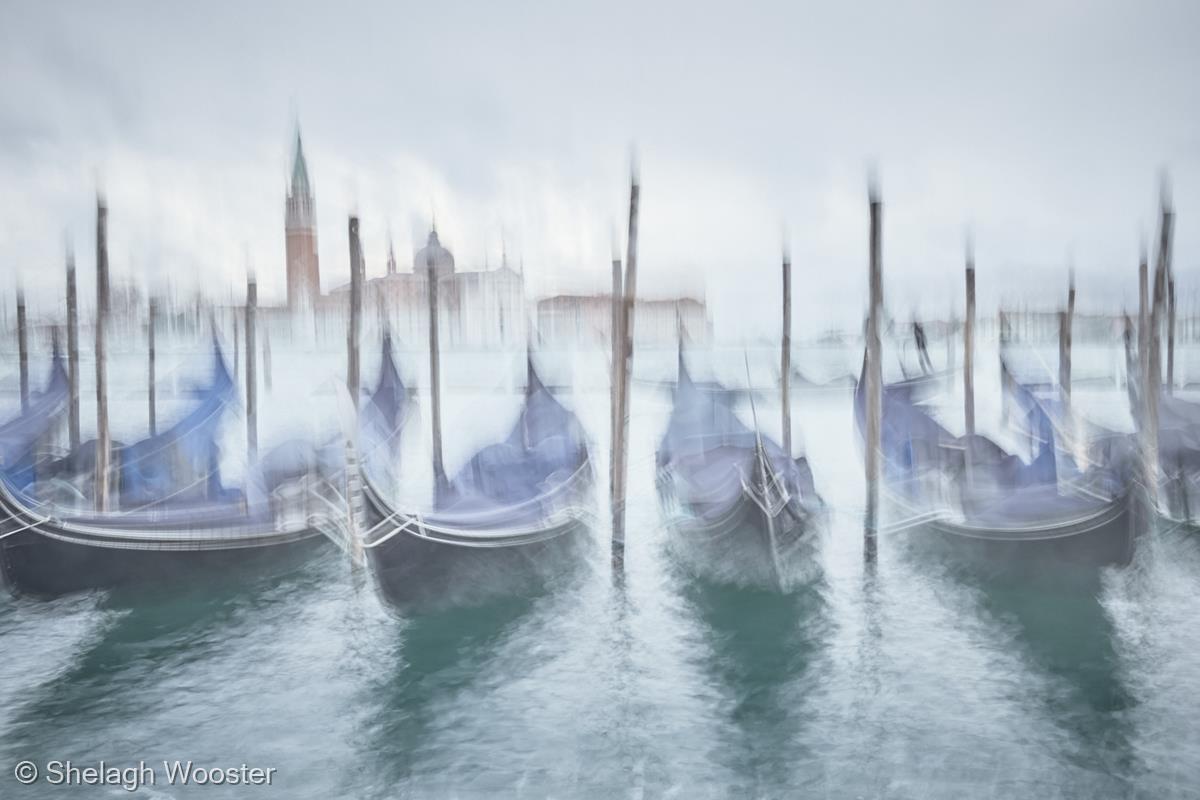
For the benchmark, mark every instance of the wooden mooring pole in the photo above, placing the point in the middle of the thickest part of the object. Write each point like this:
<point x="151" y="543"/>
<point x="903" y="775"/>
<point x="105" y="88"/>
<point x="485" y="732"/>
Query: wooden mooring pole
<point x="72" y="353"/>
<point x="1004" y="338"/>
<point x="1152" y="370"/>
<point x="103" y="438"/>
<point x="616" y="362"/>
<point x="435" y="378"/>
<point x="266" y="352"/>
<point x="620" y="443"/>
<point x="23" y="349"/>
<point x="951" y="333"/>
<point x="873" y="375"/>
<point x="1131" y="371"/>
<point x="354" y="508"/>
<point x="251" y="372"/>
<point x="785" y="359"/>
<point x="353" y="379"/>
<point x="1143" y="330"/>
<point x="237" y="364"/>
<point x="969" y="347"/>
<point x="1064" y="367"/>
<point x="1065" y="325"/>
<point x="151" y="318"/>
<point x="1170" y="334"/>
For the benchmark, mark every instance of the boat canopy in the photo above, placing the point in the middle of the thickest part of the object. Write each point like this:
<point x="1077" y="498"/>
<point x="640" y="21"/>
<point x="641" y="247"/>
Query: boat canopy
<point x="714" y="451"/>
<point x="181" y="464"/>
<point x="913" y="441"/>
<point x="19" y="436"/>
<point x="384" y="410"/>
<point x="545" y="447"/>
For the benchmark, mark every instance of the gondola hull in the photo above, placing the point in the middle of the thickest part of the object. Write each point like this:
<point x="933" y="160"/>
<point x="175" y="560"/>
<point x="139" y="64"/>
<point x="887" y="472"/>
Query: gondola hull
<point x="1078" y="530"/>
<point x="418" y="568"/>
<point x="744" y="545"/>
<point x="46" y="557"/>
<point x="36" y="563"/>
<point x="1105" y="538"/>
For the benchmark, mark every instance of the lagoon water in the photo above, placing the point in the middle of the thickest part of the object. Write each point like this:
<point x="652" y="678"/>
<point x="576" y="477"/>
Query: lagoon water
<point x="910" y="681"/>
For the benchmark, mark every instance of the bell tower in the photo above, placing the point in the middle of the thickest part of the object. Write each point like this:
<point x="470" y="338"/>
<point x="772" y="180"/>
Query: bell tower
<point x="303" y="270"/>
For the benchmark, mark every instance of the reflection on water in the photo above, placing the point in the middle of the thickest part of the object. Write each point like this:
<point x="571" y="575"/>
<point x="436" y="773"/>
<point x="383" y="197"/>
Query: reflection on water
<point x="761" y="646"/>
<point x="436" y="658"/>
<point x="1068" y="647"/>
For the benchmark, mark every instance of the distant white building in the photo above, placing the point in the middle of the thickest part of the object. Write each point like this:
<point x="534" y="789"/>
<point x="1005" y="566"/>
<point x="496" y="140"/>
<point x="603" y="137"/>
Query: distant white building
<point x="588" y="319"/>
<point x="476" y="309"/>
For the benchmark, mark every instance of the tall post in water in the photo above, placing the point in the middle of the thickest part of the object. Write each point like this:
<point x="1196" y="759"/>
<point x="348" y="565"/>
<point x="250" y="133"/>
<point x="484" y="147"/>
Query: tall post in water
<point x="251" y="373"/>
<point x="969" y="347"/>
<point x="353" y="384"/>
<point x="353" y="379"/>
<point x="1131" y="371"/>
<point x="1171" y="334"/>
<point x="785" y="358"/>
<point x="1065" y="325"/>
<point x="1064" y="368"/>
<point x="617" y="299"/>
<point x="237" y="367"/>
<point x="620" y="442"/>
<point x="435" y="378"/>
<point x="103" y="439"/>
<point x="1152" y="369"/>
<point x="151" y="319"/>
<point x="1143" y="309"/>
<point x="1003" y="336"/>
<point x="266" y="352"/>
<point x="23" y="349"/>
<point x="72" y="353"/>
<point x="873" y="375"/>
<point x="951" y="331"/>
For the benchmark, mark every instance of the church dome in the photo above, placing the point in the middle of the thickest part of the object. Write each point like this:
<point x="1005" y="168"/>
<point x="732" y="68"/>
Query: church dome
<point x="443" y="259"/>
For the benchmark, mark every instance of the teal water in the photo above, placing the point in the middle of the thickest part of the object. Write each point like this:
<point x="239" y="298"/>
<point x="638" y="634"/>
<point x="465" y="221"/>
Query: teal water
<point x="911" y="681"/>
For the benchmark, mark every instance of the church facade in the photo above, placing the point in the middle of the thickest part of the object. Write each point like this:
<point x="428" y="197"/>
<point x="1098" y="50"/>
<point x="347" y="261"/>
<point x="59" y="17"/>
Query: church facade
<point x="477" y="309"/>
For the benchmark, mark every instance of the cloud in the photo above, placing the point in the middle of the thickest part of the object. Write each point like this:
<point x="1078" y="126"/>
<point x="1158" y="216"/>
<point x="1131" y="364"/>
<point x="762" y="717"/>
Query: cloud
<point x="1039" y="129"/>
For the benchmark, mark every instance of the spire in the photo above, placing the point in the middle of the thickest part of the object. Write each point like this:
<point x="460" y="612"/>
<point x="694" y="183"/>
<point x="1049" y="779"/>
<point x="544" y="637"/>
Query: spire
<point x="300" y="185"/>
<point x="300" y="205"/>
<point x="391" y="259"/>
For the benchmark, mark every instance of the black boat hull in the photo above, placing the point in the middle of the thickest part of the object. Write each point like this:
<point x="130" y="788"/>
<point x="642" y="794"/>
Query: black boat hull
<point x="745" y="546"/>
<point x="49" y="557"/>
<point x="36" y="564"/>
<point x="1105" y="538"/>
<point x="416" y="572"/>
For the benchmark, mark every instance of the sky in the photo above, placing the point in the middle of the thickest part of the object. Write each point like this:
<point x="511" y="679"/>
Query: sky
<point x="1039" y="130"/>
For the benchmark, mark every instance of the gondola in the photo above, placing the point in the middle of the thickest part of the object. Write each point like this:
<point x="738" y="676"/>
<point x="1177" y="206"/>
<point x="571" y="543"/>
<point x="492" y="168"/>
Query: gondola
<point x="992" y="507"/>
<point x="172" y="516"/>
<point x="1170" y="504"/>
<point x="1174" y="502"/>
<point x="1080" y="443"/>
<point x="740" y="509"/>
<point x="512" y="518"/>
<point x="1177" y="501"/>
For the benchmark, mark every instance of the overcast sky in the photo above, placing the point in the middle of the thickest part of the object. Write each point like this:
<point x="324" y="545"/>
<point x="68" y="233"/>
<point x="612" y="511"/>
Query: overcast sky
<point x="1040" y="127"/>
